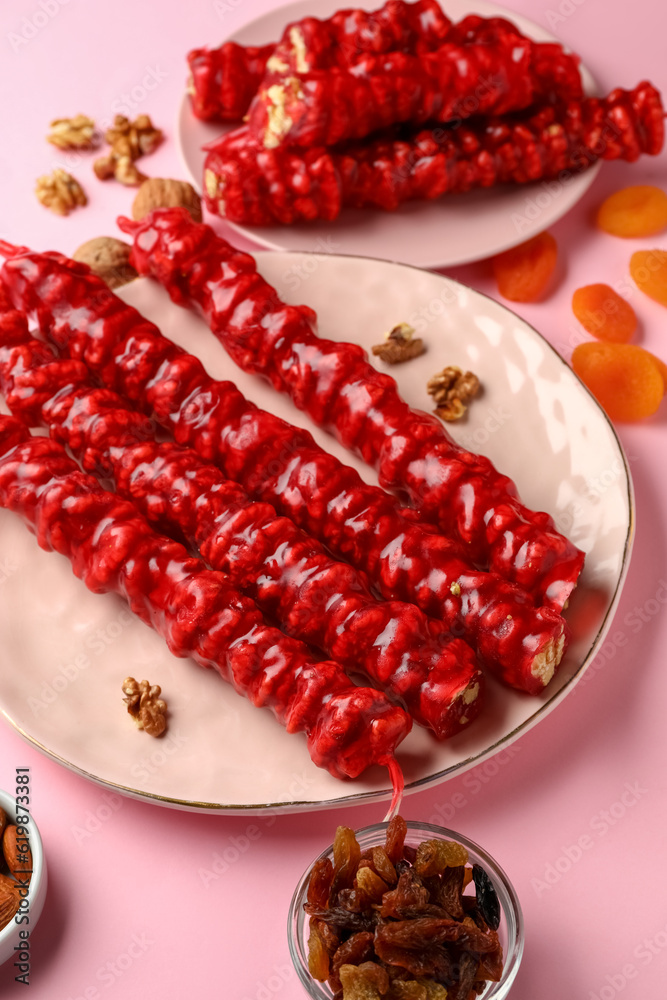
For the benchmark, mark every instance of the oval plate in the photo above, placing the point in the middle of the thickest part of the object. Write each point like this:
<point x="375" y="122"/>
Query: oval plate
<point x="454" y="230"/>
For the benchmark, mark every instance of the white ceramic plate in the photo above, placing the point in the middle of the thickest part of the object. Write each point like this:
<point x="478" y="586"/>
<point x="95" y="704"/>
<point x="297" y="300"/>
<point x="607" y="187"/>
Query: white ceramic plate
<point x="454" y="230"/>
<point x="66" y="651"/>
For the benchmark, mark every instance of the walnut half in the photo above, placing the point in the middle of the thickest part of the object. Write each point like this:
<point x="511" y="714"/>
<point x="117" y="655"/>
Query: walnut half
<point x="452" y="390"/>
<point x="72" y="133"/>
<point x="145" y="705"/>
<point x="60" y="192"/>
<point x="399" y="345"/>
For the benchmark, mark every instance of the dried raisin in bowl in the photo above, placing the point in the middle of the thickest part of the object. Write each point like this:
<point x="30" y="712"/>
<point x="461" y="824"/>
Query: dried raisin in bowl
<point x="510" y="930"/>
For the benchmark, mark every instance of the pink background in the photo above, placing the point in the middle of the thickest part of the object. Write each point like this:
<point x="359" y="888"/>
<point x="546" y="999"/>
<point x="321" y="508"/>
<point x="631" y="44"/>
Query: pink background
<point x="131" y="911"/>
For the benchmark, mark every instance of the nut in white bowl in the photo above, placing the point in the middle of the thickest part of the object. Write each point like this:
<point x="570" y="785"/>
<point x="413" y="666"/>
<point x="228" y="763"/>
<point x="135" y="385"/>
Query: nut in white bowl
<point x="15" y="936"/>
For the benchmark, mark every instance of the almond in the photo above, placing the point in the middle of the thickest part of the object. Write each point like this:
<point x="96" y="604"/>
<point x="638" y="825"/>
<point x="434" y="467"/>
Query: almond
<point x="16" y="851"/>
<point x="4" y="820"/>
<point x="10" y="900"/>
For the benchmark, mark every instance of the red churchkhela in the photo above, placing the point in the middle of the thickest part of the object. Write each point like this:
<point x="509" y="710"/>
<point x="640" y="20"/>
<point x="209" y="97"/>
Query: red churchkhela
<point x="282" y="465"/>
<point x="289" y="575"/>
<point x="113" y="550"/>
<point x="245" y="183"/>
<point x="336" y="385"/>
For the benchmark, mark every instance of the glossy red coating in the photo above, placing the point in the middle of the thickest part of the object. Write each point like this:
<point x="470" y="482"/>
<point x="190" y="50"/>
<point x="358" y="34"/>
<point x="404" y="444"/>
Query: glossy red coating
<point x="279" y="463"/>
<point x="483" y="66"/>
<point x="248" y="184"/>
<point x="224" y="80"/>
<point x="196" y="610"/>
<point x="288" y="574"/>
<point x="461" y="493"/>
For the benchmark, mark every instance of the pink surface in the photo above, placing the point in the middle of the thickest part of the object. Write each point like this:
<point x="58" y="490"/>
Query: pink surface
<point x="147" y="902"/>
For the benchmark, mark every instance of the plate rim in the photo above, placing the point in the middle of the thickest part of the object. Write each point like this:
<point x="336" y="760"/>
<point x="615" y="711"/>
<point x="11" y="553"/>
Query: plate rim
<point x="585" y="179"/>
<point x="440" y="777"/>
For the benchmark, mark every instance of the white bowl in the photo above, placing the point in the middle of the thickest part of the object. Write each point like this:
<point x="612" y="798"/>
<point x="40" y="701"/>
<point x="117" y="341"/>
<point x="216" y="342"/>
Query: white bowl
<point x="15" y="936"/>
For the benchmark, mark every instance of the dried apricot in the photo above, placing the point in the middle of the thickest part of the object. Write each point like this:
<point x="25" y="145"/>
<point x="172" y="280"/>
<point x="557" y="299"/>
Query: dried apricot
<point x="640" y="210"/>
<point x="661" y="366"/>
<point x="604" y="313"/>
<point x="649" y="272"/>
<point x="523" y="272"/>
<point x="624" y="378"/>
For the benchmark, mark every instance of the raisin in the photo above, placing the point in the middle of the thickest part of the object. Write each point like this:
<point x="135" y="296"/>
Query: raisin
<point x="368" y="981"/>
<point x="604" y="313"/>
<point x="354" y="951"/>
<point x="383" y="866"/>
<point x="467" y="973"/>
<point x="319" y="883"/>
<point x="624" y="378"/>
<point x="346" y="854"/>
<point x="433" y="856"/>
<point x="451" y="891"/>
<point x="353" y="900"/>
<point x="410" y="989"/>
<point x="432" y="961"/>
<point x="487" y="898"/>
<point x="409" y="853"/>
<point x="491" y="965"/>
<point x="649" y="272"/>
<point x="417" y="989"/>
<point x="433" y="930"/>
<point x="318" y="956"/>
<point x="408" y="893"/>
<point x="523" y="272"/>
<point x="341" y="919"/>
<point x="395" y="840"/>
<point x="371" y="884"/>
<point x="640" y="210"/>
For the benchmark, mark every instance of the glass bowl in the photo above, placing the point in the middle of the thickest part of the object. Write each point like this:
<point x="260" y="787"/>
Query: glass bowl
<point x="510" y="931"/>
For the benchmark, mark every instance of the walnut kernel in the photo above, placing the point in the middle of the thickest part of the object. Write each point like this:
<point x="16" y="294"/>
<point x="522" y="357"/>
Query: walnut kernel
<point x="60" y="192"/>
<point x="128" y="141"/>
<point x="399" y="345"/>
<point x="157" y="192"/>
<point x="133" y="139"/>
<point x="109" y="258"/>
<point x="72" y="133"/>
<point x="452" y="390"/>
<point x="145" y="705"/>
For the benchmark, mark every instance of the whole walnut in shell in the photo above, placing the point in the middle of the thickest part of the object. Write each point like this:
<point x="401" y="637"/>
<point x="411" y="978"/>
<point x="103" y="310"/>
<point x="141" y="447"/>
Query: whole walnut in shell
<point x="158" y="192"/>
<point x="109" y="258"/>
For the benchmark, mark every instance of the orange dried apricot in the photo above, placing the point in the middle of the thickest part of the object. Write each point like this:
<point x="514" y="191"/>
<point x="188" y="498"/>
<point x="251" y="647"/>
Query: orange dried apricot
<point x="649" y="272"/>
<point x="661" y="366"/>
<point x="623" y="378"/>
<point x="523" y="272"/>
<point x="640" y="210"/>
<point x="604" y="313"/>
